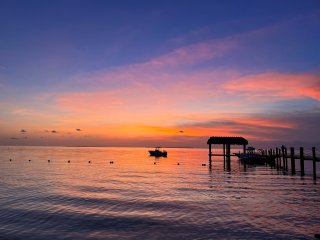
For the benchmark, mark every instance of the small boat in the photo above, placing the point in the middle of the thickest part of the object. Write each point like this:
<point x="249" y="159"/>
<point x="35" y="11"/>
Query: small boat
<point x="158" y="153"/>
<point x="253" y="157"/>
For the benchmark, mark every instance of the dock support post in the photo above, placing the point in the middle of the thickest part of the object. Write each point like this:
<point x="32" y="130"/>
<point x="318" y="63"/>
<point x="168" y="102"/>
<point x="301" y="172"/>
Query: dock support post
<point x="282" y="156"/>
<point x="278" y="158"/>
<point x="314" y="159"/>
<point x="228" y="158"/>
<point x="244" y="148"/>
<point x="210" y="154"/>
<point x="293" y="161"/>
<point x="286" y="158"/>
<point x="270" y="155"/>
<point x="301" y="161"/>
<point x="224" y="155"/>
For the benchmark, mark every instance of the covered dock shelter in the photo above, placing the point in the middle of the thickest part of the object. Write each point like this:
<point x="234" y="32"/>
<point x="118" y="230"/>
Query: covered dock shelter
<point x="226" y="142"/>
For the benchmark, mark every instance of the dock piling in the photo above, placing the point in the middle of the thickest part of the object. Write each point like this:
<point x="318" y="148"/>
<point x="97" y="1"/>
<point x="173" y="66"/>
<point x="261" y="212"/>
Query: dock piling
<point x="293" y="161"/>
<point x="228" y="157"/>
<point x="210" y="154"/>
<point x="314" y="159"/>
<point x="278" y="158"/>
<point x="301" y="161"/>
<point x="284" y="158"/>
<point x="224" y="156"/>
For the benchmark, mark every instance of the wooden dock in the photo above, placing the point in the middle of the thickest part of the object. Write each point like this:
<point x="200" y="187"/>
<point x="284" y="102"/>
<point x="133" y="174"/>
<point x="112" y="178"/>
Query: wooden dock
<point x="281" y="155"/>
<point x="226" y="142"/>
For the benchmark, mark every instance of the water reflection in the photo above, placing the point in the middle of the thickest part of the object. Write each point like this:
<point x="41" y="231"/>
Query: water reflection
<point x="134" y="198"/>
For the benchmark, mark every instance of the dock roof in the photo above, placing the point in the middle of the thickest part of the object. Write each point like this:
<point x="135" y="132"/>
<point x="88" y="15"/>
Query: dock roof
<point x="228" y="140"/>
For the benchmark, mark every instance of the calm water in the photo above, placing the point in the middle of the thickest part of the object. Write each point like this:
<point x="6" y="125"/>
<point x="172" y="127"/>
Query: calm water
<point x="137" y="199"/>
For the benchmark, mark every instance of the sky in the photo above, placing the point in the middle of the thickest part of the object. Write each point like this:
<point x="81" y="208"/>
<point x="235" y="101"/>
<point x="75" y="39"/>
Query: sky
<point x="169" y="73"/>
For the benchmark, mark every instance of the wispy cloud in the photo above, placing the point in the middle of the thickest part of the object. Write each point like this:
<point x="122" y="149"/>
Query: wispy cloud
<point x="195" y="53"/>
<point x="162" y="68"/>
<point x="96" y="100"/>
<point x="28" y="112"/>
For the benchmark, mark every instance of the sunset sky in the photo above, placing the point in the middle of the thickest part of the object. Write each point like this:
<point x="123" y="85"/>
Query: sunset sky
<point x="170" y="73"/>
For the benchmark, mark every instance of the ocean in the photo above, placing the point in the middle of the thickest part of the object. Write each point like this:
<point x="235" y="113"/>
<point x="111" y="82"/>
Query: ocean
<point x="123" y="193"/>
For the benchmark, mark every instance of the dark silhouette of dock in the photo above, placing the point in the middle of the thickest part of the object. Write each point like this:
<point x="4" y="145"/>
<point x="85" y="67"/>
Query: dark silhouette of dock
<point x="282" y="158"/>
<point x="280" y="155"/>
<point x="226" y="142"/>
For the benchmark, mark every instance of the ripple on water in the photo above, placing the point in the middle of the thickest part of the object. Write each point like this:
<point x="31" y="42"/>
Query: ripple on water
<point x="134" y="199"/>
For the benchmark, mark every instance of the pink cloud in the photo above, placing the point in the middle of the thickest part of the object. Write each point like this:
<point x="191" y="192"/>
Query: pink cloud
<point x="274" y="86"/>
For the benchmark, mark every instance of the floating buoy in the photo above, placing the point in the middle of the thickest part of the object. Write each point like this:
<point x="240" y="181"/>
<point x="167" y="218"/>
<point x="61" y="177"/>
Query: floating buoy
<point x="48" y="160"/>
<point x="68" y="161"/>
<point x="154" y="163"/>
<point x="89" y="161"/>
<point x="203" y="164"/>
<point x="178" y="163"/>
<point x="29" y="160"/>
<point x="10" y="160"/>
<point x="111" y="162"/>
